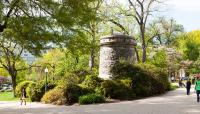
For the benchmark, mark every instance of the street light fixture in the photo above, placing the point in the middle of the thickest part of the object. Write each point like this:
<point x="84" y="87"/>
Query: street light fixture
<point x="46" y="71"/>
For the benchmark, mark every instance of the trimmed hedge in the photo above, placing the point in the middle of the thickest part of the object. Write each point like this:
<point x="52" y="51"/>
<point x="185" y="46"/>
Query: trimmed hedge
<point x="91" y="99"/>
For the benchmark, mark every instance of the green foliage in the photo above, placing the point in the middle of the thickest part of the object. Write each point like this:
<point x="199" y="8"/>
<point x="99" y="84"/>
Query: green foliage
<point x="21" y="85"/>
<point x="124" y="70"/>
<point x="92" y="82"/>
<point x="3" y="72"/>
<point x="156" y="73"/>
<point x="192" y="51"/>
<point x="54" y="96"/>
<point x="72" y="63"/>
<point x="146" y="79"/>
<point x="30" y="90"/>
<point x="116" y="90"/>
<point x="71" y="93"/>
<point x="21" y="76"/>
<point x="91" y="99"/>
<point x="37" y="90"/>
<point x="165" y="31"/>
<point x="81" y="74"/>
<point x="189" y="45"/>
<point x="69" y="78"/>
<point x="43" y="28"/>
<point x="159" y="59"/>
<point x="62" y="63"/>
<point x="195" y="67"/>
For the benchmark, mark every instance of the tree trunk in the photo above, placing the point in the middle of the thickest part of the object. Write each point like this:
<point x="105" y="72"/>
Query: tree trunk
<point x="13" y="75"/>
<point x="91" y="60"/>
<point x="137" y="54"/>
<point x="93" y="42"/>
<point x="144" y="53"/>
<point x="142" y="30"/>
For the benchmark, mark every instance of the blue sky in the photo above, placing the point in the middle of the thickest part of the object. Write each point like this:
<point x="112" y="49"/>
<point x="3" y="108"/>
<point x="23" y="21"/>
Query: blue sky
<point x="185" y="12"/>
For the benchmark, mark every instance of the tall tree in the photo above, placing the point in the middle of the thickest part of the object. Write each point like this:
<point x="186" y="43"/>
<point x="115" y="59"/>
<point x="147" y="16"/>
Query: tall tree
<point x="163" y="31"/>
<point x="10" y="57"/>
<point x="10" y="6"/>
<point x="116" y="21"/>
<point x="92" y="30"/>
<point x="140" y="10"/>
<point x="34" y="24"/>
<point x="189" y="45"/>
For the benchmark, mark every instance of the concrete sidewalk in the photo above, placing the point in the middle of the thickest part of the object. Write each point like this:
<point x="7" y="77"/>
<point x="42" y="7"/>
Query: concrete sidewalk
<point x="173" y="102"/>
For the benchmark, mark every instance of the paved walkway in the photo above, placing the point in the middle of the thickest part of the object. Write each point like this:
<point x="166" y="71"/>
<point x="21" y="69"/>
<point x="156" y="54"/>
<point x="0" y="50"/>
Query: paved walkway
<point x="174" y="102"/>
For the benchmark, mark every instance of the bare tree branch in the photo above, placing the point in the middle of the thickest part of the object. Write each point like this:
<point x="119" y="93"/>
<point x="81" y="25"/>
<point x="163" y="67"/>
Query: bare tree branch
<point x="119" y="25"/>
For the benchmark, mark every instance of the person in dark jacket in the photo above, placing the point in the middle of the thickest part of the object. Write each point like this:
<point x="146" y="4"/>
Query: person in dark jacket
<point x="23" y="96"/>
<point x="188" y="86"/>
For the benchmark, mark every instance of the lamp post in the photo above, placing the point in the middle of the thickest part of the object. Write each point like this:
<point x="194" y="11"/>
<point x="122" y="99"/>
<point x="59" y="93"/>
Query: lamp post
<point x="46" y="71"/>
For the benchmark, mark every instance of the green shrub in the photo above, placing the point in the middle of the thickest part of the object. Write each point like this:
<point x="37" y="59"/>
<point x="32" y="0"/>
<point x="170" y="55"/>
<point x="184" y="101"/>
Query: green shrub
<point x="92" y="82"/>
<point x="21" y="85"/>
<point x="63" y="94"/>
<point x="85" y="89"/>
<point x="54" y="96"/>
<point x="146" y="79"/>
<point x="69" y="78"/>
<point x="127" y="82"/>
<point x="157" y="73"/>
<point x="91" y="99"/>
<point x="30" y="91"/>
<point x="37" y="90"/>
<point x="72" y="93"/>
<point x="81" y="74"/>
<point x="116" y="90"/>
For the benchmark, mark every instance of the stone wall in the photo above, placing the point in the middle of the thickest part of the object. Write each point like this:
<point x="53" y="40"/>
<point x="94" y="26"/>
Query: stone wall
<point x="112" y="49"/>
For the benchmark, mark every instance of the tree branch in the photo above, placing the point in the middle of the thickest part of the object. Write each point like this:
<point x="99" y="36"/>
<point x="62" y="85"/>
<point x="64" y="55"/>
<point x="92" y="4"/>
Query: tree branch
<point x="119" y="25"/>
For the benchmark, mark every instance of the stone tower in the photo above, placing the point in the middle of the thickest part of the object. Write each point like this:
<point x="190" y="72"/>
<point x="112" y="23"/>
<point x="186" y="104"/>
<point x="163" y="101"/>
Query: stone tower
<point x="112" y="49"/>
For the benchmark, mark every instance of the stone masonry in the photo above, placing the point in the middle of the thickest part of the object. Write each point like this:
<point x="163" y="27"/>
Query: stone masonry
<point x="112" y="49"/>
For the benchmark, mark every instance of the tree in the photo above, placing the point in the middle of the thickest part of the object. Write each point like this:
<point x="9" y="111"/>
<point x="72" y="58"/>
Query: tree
<point x="10" y="57"/>
<point x="140" y="10"/>
<point x="92" y="31"/>
<point x="42" y="22"/>
<point x="34" y="24"/>
<point x="4" y="17"/>
<point x="160" y="59"/>
<point x="163" y="32"/>
<point x="115" y="21"/>
<point x="66" y="12"/>
<point x="189" y="45"/>
<point x="195" y="67"/>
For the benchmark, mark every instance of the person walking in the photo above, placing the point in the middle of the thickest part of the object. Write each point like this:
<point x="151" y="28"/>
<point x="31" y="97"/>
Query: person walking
<point x="197" y="88"/>
<point x="181" y="84"/>
<point x="23" y="96"/>
<point x="188" y="86"/>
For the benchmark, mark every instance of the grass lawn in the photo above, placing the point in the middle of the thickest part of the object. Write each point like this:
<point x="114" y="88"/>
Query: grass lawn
<point x="7" y="96"/>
